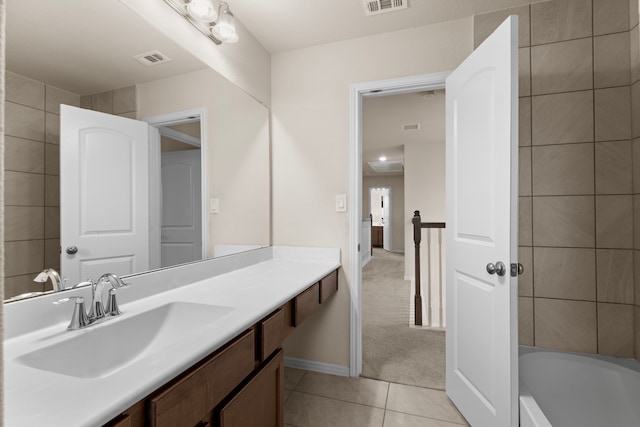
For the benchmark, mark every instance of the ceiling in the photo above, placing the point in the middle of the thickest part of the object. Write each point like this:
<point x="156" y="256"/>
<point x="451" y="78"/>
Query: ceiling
<point x="87" y="46"/>
<point x="383" y="121"/>
<point x="282" y="25"/>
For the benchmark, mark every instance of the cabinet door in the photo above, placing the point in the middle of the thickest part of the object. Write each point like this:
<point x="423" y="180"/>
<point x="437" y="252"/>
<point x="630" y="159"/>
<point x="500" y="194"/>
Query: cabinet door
<point x="260" y="403"/>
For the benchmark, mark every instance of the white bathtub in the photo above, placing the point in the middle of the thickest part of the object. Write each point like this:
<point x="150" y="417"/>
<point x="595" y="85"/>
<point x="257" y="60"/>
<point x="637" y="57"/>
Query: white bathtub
<point x="563" y="389"/>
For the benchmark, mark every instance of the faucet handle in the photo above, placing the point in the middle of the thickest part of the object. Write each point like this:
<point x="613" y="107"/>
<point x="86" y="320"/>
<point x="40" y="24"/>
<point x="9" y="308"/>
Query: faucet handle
<point x="79" y="318"/>
<point x="112" y="303"/>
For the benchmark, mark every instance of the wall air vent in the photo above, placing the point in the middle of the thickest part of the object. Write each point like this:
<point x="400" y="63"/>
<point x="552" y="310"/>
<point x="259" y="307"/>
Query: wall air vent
<point x="375" y="7"/>
<point x="389" y="166"/>
<point x="415" y="126"/>
<point x="150" y="59"/>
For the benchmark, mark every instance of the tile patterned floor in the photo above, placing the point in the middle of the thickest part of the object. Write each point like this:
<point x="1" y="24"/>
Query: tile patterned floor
<point x="321" y="400"/>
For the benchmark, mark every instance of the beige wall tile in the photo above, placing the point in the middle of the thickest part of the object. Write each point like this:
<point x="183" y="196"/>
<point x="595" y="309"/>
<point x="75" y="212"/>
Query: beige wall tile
<point x="524" y="71"/>
<point x="52" y="128"/>
<point x="636" y="221"/>
<point x="610" y="16"/>
<point x="525" y="221"/>
<point x="613" y="114"/>
<point x="54" y="97"/>
<point x="614" y="171"/>
<point x="563" y="169"/>
<point x="635" y="108"/>
<point x="615" y="276"/>
<point x="51" y="190"/>
<point x="17" y="285"/>
<point x="23" y="155"/>
<point x="23" y="90"/>
<point x="52" y="254"/>
<point x="124" y="100"/>
<point x="562" y="118"/>
<point x="52" y="222"/>
<point x="85" y="102"/>
<point x="636" y="161"/>
<point x="103" y="102"/>
<point x="564" y="221"/>
<point x="23" y="189"/>
<point x="524" y="125"/>
<point x="636" y="274"/>
<point x="24" y="257"/>
<point x="131" y="115"/>
<point x="565" y="273"/>
<point x="23" y="223"/>
<point x="611" y="60"/>
<point x="24" y="122"/>
<point x="614" y="222"/>
<point x="524" y="171"/>
<point x="52" y="159"/>
<point x="560" y="20"/>
<point x="485" y="24"/>
<point x="634" y="54"/>
<point x="525" y="280"/>
<point x="637" y="331"/>
<point x="633" y="13"/>
<point x="422" y="401"/>
<point x="525" y="321"/>
<point x="615" y="330"/>
<point x="562" y="67"/>
<point x="565" y="325"/>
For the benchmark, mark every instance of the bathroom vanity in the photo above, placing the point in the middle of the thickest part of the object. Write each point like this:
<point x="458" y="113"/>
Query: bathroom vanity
<point x="196" y="345"/>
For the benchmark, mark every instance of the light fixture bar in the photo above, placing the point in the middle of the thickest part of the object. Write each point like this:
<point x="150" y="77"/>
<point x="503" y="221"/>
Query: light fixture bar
<point x="178" y="6"/>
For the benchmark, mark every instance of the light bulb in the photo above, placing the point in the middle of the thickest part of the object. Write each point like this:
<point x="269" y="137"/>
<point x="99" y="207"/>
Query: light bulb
<point x="225" y="29"/>
<point x="202" y="10"/>
<point x="383" y="159"/>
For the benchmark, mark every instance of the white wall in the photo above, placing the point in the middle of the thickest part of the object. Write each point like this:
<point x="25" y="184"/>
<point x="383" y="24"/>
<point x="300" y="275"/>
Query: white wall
<point x="310" y="148"/>
<point x="245" y="63"/>
<point x="237" y="142"/>
<point x="398" y="216"/>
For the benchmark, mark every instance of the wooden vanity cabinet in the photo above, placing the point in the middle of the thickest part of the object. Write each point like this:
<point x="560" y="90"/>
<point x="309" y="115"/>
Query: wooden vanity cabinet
<point x="239" y="385"/>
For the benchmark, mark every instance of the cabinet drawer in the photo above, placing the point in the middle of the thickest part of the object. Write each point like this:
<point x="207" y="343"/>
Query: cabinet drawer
<point x="121" y="421"/>
<point x="260" y="402"/>
<point x="328" y="286"/>
<point x="196" y="393"/>
<point x="305" y="304"/>
<point x="272" y="333"/>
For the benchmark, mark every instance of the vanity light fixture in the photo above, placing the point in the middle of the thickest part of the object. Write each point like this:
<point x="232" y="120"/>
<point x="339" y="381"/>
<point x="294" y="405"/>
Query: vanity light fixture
<point x="383" y="159"/>
<point x="216" y="23"/>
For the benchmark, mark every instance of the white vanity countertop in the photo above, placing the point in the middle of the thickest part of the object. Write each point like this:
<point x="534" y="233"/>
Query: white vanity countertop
<point x="38" y="397"/>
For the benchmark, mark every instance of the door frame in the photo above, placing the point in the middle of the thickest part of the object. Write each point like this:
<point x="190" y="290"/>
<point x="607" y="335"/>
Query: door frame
<point x="155" y="190"/>
<point x="357" y="92"/>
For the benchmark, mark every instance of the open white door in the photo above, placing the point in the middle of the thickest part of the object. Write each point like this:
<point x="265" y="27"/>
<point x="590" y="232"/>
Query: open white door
<point x="481" y="181"/>
<point x="104" y="194"/>
<point x="181" y="207"/>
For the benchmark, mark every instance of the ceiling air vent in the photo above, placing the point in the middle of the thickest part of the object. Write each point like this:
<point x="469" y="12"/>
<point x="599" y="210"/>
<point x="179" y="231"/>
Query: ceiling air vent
<point x="387" y="166"/>
<point x="150" y="59"/>
<point x="375" y="7"/>
<point x="415" y="126"/>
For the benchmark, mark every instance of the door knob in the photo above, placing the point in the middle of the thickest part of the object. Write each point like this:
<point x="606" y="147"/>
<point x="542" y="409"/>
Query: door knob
<point x="498" y="268"/>
<point x="72" y="250"/>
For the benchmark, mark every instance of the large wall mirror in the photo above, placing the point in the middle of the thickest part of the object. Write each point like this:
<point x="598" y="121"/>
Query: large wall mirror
<point x="59" y="53"/>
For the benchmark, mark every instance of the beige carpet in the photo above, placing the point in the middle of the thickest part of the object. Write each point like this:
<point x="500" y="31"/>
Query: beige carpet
<point x="392" y="351"/>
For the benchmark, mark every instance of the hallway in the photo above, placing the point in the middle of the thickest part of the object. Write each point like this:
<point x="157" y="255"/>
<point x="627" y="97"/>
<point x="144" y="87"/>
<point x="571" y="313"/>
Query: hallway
<point x="393" y="351"/>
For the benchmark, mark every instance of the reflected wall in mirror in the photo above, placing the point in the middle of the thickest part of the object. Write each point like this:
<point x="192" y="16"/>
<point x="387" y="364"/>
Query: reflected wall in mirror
<point x="57" y="54"/>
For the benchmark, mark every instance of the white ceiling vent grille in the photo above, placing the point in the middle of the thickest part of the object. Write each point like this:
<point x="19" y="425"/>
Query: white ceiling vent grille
<point x="387" y="166"/>
<point x="150" y="59"/>
<point x="415" y="126"/>
<point x="375" y="7"/>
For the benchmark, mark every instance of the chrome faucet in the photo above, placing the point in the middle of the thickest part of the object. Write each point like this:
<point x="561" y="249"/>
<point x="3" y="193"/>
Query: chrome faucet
<point x="51" y="274"/>
<point x="80" y="318"/>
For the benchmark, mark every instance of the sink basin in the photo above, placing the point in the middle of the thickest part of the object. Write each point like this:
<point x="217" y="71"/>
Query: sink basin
<point x="101" y="350"/>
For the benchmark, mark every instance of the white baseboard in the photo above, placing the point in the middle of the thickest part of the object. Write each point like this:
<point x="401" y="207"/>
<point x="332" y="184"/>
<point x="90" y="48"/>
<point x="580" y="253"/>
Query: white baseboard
<point x="366" y="261"/>
<point x="309" y="365"/>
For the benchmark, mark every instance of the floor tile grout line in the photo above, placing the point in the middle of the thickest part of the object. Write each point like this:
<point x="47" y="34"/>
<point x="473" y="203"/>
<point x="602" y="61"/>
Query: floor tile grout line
<point x="427" y="418"/>
<point x="339" y="400"/>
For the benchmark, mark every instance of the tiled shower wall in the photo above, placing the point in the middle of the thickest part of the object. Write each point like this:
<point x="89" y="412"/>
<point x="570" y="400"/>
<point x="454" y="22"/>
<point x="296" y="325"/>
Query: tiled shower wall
<point x="32" y="159"/>
<point x="635" y="131"/>
<point x="576" y="174"/>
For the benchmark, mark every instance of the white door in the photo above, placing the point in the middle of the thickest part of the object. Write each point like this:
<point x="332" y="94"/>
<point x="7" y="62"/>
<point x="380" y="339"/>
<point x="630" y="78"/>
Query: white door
<point x="386" y="219"/>
<point x="104" y="194"/>
<point x="181" y="239"/>
<point x="481" y="191"/>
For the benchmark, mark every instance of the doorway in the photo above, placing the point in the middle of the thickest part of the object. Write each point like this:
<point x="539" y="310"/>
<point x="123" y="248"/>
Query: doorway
<point x="380" y="209"/>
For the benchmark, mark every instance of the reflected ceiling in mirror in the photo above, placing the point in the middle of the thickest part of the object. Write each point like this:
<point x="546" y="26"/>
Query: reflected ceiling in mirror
<point x="59" y="53"/>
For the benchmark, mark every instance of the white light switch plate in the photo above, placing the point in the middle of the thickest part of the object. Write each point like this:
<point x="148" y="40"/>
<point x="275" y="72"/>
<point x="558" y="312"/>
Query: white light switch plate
<point x="214" y="206"/>
<point x="341" y="203"/>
